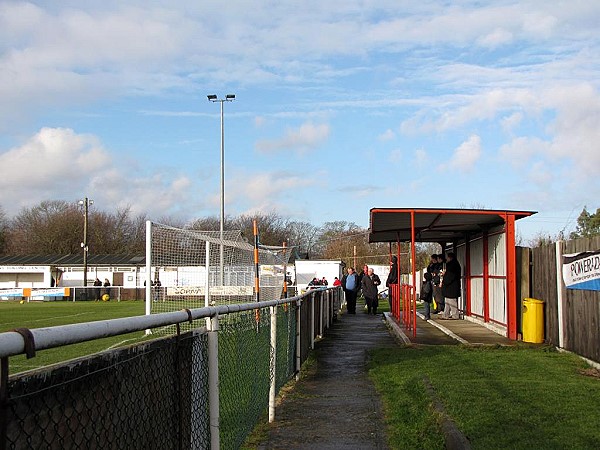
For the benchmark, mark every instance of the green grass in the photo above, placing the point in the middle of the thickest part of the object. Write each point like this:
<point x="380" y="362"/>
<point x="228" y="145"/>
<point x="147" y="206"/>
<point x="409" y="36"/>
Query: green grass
<point x="46" y="314"/>
<point x="499" y="397"/>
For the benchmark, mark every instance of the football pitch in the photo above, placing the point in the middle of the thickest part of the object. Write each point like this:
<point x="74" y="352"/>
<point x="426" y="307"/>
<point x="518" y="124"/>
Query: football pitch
<point x="48" y="314"/>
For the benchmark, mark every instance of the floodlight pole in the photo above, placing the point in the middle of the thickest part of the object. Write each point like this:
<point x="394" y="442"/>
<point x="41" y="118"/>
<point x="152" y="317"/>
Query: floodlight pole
<point x="85" y="203"/>
<point x="228" y="98"/>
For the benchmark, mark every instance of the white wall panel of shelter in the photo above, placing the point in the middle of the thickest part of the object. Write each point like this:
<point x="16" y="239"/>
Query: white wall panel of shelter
<point x="475" y="276"/>
<point x="497" y="272"/>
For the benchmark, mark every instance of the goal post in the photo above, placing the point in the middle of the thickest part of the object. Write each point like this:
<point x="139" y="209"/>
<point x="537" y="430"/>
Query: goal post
<point x="183" y="269"/>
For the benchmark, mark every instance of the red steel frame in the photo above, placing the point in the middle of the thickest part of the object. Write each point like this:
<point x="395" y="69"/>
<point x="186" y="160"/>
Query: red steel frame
<point x="409" y="313"/>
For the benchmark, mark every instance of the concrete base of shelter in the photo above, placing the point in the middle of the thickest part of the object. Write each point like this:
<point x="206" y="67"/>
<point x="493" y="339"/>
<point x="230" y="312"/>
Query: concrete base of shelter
<point x="437" y="331"/>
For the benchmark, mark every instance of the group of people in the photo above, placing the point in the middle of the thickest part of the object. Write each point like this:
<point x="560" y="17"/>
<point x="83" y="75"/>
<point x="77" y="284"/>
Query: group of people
<point x="316" y="282"/>
<point x="98" y="287"/>
<point x="366" y="282"/>
<point x="441" y="285"/>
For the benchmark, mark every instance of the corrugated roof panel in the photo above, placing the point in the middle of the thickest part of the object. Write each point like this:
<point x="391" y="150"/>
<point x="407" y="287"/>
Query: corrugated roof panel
<point x="433" y="225"/>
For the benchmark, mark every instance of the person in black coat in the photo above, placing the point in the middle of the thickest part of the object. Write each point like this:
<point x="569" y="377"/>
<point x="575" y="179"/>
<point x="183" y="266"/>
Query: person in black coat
<point x="369" y="285"/>
<point x="451" y="287"/>
<point x="392" y="278"/>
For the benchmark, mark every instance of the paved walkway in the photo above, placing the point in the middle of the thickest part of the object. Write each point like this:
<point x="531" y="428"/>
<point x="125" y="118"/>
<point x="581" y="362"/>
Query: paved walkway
<point x="335" y="405"/>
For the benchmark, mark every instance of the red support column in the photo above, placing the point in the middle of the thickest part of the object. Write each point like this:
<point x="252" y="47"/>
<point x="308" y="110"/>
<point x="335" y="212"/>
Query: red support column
<point x="468" y="275"/>
<point x="511" y="277"/>
<point x="413" y="258"/>
<point x="486" y="278"/>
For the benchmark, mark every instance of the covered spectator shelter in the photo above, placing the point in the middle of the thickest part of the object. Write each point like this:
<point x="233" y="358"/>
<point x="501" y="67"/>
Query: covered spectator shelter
<point x="484" y="243"/>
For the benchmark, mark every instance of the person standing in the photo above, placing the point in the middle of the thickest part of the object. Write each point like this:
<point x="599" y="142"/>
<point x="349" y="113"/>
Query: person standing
<point x="369" y="284"/>
<point x="437" y="272"/>
<point x="426" y="294"/>
<point x="392" y="278"/>
<point x="107" y="287"/>
<point x="351" y="285"/>
<point x="451" y="286"/>
<point x="157" y="289"/>
<point x="98" y="289"/>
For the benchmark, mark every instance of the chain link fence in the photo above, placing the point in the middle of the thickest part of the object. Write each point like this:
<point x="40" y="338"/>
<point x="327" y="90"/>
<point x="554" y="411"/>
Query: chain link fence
<point x="155" y="395"/>
<point x="151" y="395"/>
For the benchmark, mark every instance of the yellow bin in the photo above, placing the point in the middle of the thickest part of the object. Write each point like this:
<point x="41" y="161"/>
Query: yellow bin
<point x="533" y="320"/>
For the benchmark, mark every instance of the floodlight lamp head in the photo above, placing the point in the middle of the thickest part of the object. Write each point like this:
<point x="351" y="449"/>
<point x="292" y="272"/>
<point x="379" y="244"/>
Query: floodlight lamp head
<point x="230" y="97"/>
<point x="211" y="97"/>
<point x="81" y="202"/>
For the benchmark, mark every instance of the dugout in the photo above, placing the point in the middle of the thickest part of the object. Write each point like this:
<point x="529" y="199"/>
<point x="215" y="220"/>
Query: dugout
<point x="484" y="243"/>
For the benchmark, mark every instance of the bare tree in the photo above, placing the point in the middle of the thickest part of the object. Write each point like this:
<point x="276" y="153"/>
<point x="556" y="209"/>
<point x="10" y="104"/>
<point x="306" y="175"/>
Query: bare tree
<point x="303" y="237"/>
<point x="271" y="227"/>
<point x="3" y="230"/>
<point x="52" y="227"/>
<point x="56" y="227"/>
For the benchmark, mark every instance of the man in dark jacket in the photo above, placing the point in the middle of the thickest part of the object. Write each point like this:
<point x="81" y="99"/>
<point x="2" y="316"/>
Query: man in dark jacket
<point x="369" y="285"/>
<point x="451" y="287"/>
<point x="392" y="278"/>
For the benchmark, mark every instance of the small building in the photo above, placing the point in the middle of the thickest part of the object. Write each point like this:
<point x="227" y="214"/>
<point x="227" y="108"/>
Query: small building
<point x="306" y="270"/>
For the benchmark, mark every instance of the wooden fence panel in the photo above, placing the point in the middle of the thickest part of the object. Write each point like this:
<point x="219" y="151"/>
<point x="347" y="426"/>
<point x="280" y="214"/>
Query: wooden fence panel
<point x="544" y="288"/>
<point x="581" y="313"/>
<point x="583" y="310"/>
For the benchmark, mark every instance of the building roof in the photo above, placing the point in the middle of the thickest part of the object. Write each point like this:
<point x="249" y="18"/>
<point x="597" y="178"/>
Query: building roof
<point x="73" y="260"/>
<point x="434" y="225"/>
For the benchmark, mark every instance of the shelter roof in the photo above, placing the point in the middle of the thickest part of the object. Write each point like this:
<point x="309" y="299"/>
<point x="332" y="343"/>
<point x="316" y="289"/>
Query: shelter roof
<point x="73" y="260"/>
<point x="434" y="225"/>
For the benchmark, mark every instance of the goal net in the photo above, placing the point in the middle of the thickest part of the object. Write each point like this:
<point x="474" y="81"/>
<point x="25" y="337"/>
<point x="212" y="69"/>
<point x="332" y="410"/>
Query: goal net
<point x="191" y="269"/>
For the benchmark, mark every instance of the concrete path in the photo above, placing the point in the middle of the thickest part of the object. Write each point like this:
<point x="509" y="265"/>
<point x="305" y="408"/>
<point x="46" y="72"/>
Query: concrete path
<point x="336" y="405"/>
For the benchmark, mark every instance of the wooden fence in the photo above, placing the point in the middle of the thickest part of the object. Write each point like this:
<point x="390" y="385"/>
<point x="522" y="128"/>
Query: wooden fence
<point x="580" y="309"/>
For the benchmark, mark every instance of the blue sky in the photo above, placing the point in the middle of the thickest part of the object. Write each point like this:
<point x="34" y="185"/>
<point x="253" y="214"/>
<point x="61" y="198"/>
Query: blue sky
<point x="342" y="105"/>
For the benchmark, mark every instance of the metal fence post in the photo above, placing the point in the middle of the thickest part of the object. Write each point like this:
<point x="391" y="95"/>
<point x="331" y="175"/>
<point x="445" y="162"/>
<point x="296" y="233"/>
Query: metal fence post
<point x="312" y="320"/>
<point x="213" y="382"/>
<point x="273" y="363"/>
<point x="298" y="343"/>
<point x="321" y="314"/>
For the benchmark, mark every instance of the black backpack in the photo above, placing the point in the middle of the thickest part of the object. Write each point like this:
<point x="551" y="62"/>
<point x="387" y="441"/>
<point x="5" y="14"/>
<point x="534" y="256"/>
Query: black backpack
<point x="426" y="291"/>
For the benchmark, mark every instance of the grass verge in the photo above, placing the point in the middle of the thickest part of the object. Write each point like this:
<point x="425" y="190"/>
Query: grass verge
<point x="47" y="314"/>
<point x="499" y="397"/>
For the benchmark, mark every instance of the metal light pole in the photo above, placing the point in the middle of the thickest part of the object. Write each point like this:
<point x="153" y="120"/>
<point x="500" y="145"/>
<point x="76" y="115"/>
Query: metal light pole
<point x="85" y="203"/>
<point x="228" y="98"/>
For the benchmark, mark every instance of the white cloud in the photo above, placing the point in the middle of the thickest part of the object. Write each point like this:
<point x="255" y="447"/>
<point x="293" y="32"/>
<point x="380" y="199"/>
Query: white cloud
<point x="496" y="38"/>
<point x="510" y="122"/>
<point x="520" y="150"/>
<point x="53" y="160"/>
<point x="59" y="164"/>
<point x="465" y="156"/>
<point x="267" y="191"/>
<point x="303" y="139"/>
<point x="387" y="135"/>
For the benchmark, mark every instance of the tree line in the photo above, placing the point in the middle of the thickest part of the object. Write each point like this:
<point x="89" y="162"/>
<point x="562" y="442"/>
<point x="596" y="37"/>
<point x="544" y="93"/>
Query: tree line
<point x="55" y="227"/>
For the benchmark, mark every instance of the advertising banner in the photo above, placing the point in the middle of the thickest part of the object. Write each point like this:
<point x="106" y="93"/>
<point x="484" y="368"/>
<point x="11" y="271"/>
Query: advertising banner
<point x="582" y="270"/>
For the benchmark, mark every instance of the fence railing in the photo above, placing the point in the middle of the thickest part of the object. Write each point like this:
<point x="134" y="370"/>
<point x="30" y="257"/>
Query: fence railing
<point x="202" y="388"/>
